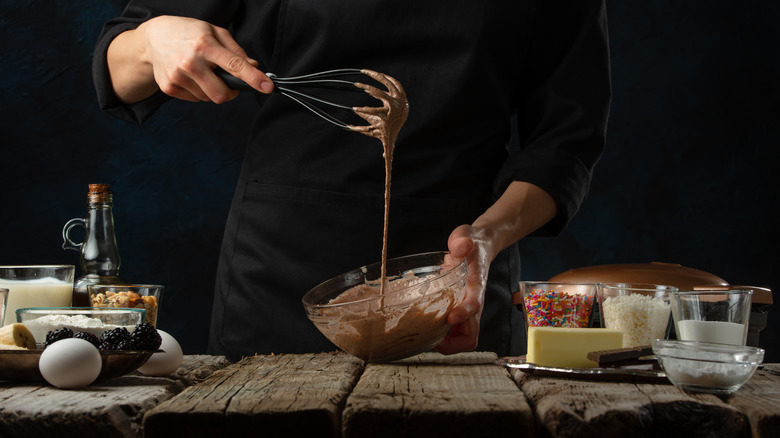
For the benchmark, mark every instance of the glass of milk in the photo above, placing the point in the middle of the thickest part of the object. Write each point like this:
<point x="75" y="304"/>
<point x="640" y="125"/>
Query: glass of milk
<point x="36" y="286"/>
<point x="3" y="302"/>
<point x="718" y="316"/>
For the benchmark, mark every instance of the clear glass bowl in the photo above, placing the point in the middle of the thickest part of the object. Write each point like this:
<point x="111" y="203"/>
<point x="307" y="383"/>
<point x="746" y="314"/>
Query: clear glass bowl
<point x="707" y="367"/>
<point x="558" y="304"/>
<point x="128" y="296"/>
<point x="41" y="320"/>
<point x="641" y="311"/>
<point x="411" y="316"/>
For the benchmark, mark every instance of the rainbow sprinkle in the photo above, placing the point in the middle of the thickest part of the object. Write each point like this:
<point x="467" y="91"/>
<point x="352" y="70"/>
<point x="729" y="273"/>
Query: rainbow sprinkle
<point x="548" y="308"/>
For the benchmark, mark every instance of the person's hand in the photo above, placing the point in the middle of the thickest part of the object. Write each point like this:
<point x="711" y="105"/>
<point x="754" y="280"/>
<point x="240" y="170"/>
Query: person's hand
<point x="183" y="53"/>
<point x="470" y="243"/>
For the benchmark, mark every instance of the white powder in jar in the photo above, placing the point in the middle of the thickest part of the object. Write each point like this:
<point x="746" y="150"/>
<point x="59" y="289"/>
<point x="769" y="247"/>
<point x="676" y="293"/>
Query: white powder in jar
<point x="78" y="323"/>
<point x="641" y="318"/>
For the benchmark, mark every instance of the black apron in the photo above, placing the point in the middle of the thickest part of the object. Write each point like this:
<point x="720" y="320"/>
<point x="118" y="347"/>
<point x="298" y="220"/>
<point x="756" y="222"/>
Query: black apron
<point x="309" y="204"/>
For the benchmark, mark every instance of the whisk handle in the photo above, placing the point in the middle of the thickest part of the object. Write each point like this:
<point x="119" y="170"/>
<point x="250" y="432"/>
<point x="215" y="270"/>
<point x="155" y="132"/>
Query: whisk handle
<point x="233" y="82"/>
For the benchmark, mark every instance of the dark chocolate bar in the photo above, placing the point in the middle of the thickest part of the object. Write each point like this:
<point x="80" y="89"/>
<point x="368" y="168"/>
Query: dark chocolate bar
<point x="622" y="356"/>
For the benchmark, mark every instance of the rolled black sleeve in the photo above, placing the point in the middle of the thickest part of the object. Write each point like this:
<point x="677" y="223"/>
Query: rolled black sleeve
<point x="137" y="12"/>
<point x="562" y="113"/>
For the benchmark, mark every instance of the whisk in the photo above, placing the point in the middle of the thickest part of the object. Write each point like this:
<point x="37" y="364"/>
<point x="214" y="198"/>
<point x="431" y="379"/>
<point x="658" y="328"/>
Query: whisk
<point x="326" y="80"/>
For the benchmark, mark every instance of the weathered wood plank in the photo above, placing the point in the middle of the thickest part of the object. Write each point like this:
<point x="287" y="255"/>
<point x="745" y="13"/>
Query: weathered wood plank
<point x="677" y="413"/>
<point x="433" y="395"/>
<point x="196" y="368"/>
<point x="262" y="396"/>
<point x="575" y="407"/>
<point x="112" y="408"/>
<point x="759" y="400"/>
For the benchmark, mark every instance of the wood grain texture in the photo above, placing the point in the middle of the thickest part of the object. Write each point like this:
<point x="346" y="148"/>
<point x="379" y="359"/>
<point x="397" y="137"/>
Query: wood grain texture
<point x="759" y="399"/>
<point x="196" y="368"/>
<point x="570" y="408"/>
<point x="433" y="395"/>
<point x="112" y="408"/>
<point x="264" y="396"/>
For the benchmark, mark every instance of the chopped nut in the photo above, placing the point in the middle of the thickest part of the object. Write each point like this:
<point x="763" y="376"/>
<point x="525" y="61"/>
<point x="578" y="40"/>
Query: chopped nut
<point x="128" y="299"/>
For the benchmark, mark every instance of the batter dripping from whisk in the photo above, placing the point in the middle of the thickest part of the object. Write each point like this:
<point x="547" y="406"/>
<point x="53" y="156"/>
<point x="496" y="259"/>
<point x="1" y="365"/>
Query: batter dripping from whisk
<point x="385" y="123"/>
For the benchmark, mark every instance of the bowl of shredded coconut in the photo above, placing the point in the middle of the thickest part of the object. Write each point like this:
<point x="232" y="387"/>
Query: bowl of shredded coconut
<point x="405" y="317"/>
<point x="707" y="367"/>
<point x="641" y="311"/>
<point x="41" y="320"/>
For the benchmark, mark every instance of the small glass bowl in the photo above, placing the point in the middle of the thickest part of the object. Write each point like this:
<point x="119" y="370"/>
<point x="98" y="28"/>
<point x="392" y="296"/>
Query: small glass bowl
<point x="134" y="296"/>
<point x="558" y="304"/>
<point x="641" y="311"/>
<point x="707" y="367"/>
<point x="41" y="320"/>
<point x="410" y="318"/>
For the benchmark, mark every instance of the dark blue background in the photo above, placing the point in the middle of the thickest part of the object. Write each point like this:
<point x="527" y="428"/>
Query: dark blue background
<point x="689" y="175"/>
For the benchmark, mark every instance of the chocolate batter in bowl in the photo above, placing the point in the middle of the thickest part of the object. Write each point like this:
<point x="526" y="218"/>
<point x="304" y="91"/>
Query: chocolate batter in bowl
<point x="409" y="318"/>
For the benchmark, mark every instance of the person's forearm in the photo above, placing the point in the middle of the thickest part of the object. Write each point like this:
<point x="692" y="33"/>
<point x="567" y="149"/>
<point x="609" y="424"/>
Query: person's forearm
<point x="132" y="76"/>
<point x="522" y="209"/>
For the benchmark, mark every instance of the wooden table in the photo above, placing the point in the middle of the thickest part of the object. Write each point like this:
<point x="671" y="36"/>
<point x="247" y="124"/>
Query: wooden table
<point x="429" y="395"/>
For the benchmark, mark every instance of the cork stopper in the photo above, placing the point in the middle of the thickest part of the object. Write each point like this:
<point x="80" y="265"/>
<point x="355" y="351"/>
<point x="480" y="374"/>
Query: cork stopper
<point x="98" y="189"/>
<point x="99" y="193"/>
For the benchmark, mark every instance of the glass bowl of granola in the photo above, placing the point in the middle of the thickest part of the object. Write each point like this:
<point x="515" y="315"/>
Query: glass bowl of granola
<point x="136" y="296"/>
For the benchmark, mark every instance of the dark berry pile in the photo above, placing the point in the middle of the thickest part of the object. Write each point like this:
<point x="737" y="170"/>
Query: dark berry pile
<point x="115" y="339"/>
<point x="143" y="337"/>
<point x="91" y="338"/>
<point x="59" y="334"/>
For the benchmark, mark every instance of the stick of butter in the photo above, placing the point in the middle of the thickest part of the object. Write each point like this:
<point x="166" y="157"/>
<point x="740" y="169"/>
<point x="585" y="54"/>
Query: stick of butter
<point x="569" y="347"/>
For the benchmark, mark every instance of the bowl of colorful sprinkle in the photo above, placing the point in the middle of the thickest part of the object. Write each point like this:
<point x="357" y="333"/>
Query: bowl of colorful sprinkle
<point x="546" y="304"/>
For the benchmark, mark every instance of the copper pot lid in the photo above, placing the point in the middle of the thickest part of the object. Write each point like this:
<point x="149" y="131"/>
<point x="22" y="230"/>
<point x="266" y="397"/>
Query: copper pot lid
<point x="670" y="274"/>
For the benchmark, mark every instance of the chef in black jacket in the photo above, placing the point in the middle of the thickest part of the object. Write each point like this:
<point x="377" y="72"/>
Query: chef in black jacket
<point x="308" y="203"/>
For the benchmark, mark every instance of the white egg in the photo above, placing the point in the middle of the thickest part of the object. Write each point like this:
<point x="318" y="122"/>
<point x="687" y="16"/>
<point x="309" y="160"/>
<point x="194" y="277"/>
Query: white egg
<point x="70" y="363"/>
<point x="166" y="362"/>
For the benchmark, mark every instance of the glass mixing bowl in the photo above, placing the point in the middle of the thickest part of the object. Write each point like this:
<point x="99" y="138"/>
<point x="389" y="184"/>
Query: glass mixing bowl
<point x="409" y="318"/>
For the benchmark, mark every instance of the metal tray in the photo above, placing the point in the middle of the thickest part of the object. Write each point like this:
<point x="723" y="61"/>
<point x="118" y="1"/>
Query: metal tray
<point x="623" y="374"/>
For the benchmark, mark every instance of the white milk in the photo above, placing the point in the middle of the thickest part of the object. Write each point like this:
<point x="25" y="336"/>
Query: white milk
<point x="40" y="292"/>
<point x="711" y="331"/>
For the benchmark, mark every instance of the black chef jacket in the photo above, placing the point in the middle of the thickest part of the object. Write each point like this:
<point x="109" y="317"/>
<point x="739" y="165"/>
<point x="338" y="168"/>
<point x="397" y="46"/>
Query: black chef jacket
<point x="308" y="203"/>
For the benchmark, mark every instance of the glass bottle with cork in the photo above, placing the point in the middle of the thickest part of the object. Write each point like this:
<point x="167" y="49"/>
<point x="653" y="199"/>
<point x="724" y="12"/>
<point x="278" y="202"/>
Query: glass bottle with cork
<point x="99" y="253"/>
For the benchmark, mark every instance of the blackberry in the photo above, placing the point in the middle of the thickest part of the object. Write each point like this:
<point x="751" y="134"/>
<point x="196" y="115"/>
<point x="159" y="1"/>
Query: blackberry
<point x="56" y="335"/>
<point x="91" y="338"/>
<point x="111" y="339"/>
<point x="145" y="337"/>
<point x="125" y="345"/>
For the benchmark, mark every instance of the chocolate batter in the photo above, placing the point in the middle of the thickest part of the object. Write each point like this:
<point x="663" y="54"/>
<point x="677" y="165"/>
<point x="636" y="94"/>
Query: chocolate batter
<point x="399" y="318"/>
<point x="385" y="123"/>
<point x="406" y="320"/>
<point x="413" y="318"/>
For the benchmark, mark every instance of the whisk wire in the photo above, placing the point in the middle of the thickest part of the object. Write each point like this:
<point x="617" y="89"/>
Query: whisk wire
<point x="329" y="79"/>
<point x="316" y="110"/>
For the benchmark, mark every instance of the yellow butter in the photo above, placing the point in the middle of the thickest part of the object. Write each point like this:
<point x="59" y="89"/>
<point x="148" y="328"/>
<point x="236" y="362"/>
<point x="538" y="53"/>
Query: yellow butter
<point x="569" y="347"/>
